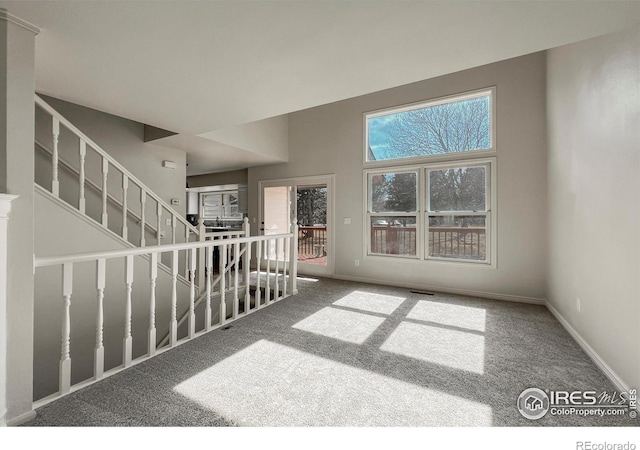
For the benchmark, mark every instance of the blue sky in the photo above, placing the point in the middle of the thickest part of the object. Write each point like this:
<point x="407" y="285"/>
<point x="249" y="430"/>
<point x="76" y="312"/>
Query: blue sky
<point x="379" y="128"/>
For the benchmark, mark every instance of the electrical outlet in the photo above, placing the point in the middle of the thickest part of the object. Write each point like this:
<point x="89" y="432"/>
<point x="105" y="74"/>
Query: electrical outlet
<point x="578" y="305"/>
<point x="357" y="262"/>
<point x="167" y="222"/>
<point x="347" y="220"/>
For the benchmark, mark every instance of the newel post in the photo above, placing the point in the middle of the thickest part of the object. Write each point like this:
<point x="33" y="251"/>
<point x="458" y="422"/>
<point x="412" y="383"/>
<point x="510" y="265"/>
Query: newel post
<point x="5" y="207"/>
<point x="293" y="259"/>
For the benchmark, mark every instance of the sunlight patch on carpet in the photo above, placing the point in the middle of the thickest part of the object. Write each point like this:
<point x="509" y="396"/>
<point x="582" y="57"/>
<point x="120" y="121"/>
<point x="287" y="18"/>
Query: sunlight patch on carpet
<point x="442" y="346"/>
<point x="269" y="384"/>
<point x="339" y="324"/>
<point x="370" y="302"/>
<point x="448" y="314"/>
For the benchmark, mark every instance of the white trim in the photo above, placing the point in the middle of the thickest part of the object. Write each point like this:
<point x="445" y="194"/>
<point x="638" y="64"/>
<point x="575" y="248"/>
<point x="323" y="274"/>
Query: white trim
<point x="5" y="209"/>
<point x="591" y="353"/>
<point x="22" y="418"/>
<point x="6" y="15"/>
<point x="5" y="204"/>
<point x="446" y="290"/>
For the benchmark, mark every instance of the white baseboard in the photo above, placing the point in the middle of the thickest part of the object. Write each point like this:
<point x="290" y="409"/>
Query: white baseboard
<point x="424" y="287"/>
<point x="22" y="418"/>
<point x="602" y="365"/>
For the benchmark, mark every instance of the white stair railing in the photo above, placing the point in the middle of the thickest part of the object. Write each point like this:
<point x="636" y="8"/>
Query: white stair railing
<point x="275" y="262"/>
<point x="178" y="225"/>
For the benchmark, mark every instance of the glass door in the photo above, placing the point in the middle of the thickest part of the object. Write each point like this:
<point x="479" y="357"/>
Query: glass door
<point x="311" y="211"/>
<point x="309" y="199"/>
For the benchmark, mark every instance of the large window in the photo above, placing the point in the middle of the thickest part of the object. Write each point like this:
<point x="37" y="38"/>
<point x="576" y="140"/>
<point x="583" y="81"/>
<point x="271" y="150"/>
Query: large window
<point x="446" y="206"/>
<point x="393" y="213"/>
<point x="441" y="207"/>
<point x="457" y="201"/>
<point x="446" y="126"/>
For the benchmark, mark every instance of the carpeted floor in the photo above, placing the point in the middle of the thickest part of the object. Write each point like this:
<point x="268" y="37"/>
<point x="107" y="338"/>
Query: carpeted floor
<point x="350" y="354"/>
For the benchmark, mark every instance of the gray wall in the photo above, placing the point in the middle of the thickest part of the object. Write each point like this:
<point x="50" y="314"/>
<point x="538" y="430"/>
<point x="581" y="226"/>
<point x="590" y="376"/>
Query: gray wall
<point x="329" y="140"/>
<point x="594" y="194"/>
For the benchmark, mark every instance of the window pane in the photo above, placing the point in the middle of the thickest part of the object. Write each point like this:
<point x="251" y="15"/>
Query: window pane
<point x="458" y="237"/>
<point x="393" y="235"/>
<point x="455" y="126"/>
<point x="393" y="192"/>
<point x="457" y="189"/>
<point x="212" y="206"/>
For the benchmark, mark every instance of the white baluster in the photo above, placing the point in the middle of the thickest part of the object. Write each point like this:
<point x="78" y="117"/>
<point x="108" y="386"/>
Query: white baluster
<point x="293" y="258"/>
<point x="209" y="275"/>
<point x="174" y="298"/>
<point x="201" y="257"/>
<point x="153" y="274"/>
<point x="192" y="292"/>
<point x="159" y="229"/>
<point x="55" y="183"/>
<point x="222" y="250"/>
<point x="236" y="300"/>
<point x="143" y="221"/>
<point x="99" y="350"/>
<point x="65" y="358"/>
<point x="267" y="289"/>
<point x="173" y="228"/>
<point x="83" y="155"/>
<point x="105" y="171"/>
<point x="284" y="268"/>
<point x="259" y="268"/>
<point x="186" y="254"/>
<point x="246" y="275"/>
<point x="128" y="340"/>
<point x="276" y="292"/>
<point x="125" y="188"/>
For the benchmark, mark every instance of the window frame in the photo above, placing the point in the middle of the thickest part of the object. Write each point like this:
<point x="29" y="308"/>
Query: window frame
<point x="490" y="200"/>
<point x="491" y="90"/>
<point x="369" y="214"/>
<point x="422" y="214"/>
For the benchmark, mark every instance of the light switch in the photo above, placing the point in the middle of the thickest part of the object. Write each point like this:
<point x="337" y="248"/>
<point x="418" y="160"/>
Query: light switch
<point x="347" y="220"/>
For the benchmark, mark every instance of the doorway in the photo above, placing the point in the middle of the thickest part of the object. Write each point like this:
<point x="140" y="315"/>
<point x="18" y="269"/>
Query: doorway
<point x="310" y="200"/>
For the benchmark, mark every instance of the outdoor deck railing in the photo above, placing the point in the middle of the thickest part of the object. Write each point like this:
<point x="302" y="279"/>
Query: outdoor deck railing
<point x="312" y="240"/>
<point x="444" y="242"/>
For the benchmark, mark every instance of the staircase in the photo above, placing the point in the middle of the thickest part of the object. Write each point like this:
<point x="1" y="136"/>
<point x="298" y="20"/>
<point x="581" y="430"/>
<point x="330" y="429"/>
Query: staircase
<point x="135" y="279"/>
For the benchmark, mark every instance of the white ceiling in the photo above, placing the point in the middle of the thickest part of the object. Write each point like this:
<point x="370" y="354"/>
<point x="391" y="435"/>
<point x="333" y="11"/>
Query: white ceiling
<point x="194" y="67"/>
